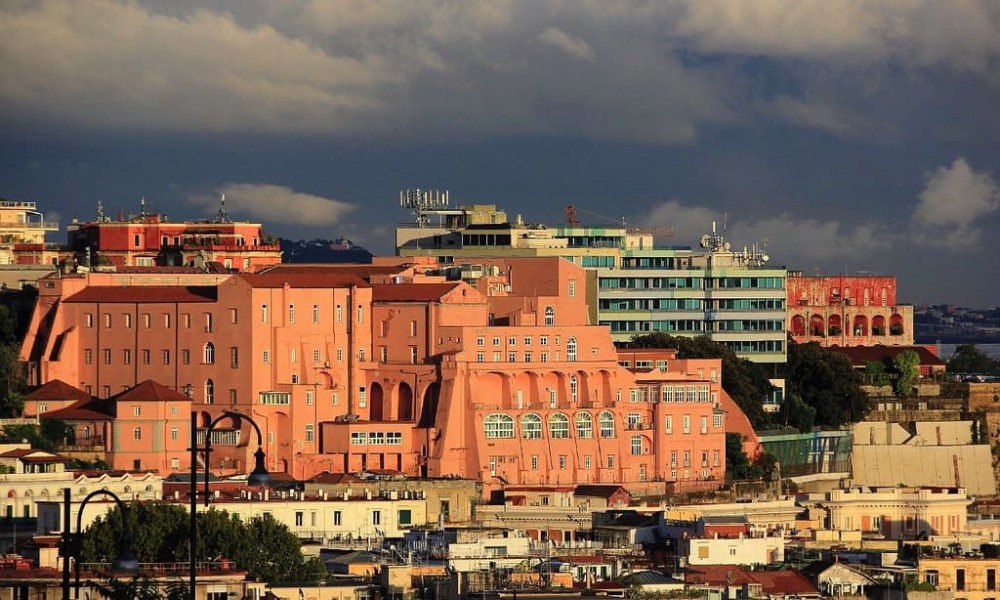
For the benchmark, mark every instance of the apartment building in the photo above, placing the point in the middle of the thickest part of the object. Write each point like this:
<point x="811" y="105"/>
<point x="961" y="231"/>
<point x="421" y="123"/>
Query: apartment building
<point x="632" y="285"/>
<point x="151" y="239"/>
<point x="22" y="234"/>
<point x="411" y="367"/>
<point x="898" y="513"/>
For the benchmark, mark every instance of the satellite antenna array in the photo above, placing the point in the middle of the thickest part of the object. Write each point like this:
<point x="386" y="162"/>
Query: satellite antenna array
<point x="755" y="255"/>
<point x="420" y="201"/>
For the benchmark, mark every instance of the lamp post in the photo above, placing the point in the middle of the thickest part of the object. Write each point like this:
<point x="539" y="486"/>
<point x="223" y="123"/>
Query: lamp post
<point x="258" y="477"/>
<point x="125" y="563"/>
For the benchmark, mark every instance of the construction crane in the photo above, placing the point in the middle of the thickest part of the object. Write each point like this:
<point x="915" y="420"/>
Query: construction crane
<point x="573" y="220"/>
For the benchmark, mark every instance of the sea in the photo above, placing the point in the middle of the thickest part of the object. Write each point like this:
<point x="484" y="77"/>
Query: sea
<point x="946" y="350"/>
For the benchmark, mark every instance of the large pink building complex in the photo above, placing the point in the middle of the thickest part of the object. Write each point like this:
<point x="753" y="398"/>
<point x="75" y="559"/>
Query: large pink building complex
<point x="485" y="370"/>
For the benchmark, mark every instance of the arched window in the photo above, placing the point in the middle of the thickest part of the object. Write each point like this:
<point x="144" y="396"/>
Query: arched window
<point x="498" y="426"/>
<point x="209" y="353"/>
<point x="607" y="425"/>
<point x="574" y="387"/>
<point x="584" y="426"/>
<point x="571" y="349"/>
<point x="531" y="427"/>
<point x="209" y="391"/>
<point x="550" y="315"/>
<point x="558" y="426"/>
<point x="175" y="433"/>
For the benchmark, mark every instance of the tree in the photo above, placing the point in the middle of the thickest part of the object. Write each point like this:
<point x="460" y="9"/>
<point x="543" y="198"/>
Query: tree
<point x="906" y="364"/>
<point x="796" y="413"/>
<point x="46" y="436"/>
<point x="827" y="382"/>
<point x="970" y="359"/>
<point x="160" y="533"/>
<point x="745" y="382"/>
<point x="875" y="373"/>
<point x="738" y="464"/>
<point x="12" y="379"/>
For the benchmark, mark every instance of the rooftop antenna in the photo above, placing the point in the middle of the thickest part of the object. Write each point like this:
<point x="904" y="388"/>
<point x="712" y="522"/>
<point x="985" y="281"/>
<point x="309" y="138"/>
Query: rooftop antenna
<point x="222" y="217"/>
<point x="100" y="211"/>
<point x="142" y="206"/>
<point x="420" y="202"/>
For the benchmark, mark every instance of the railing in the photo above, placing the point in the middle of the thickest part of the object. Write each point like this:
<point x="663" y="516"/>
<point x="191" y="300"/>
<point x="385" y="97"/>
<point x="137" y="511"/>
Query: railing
<point x="163" y="569"/>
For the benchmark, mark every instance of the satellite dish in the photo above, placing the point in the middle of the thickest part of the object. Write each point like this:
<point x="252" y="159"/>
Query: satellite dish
<point x="727" y="245"/>
<point x="706" y="240"/>
<point x="765" y="258"/>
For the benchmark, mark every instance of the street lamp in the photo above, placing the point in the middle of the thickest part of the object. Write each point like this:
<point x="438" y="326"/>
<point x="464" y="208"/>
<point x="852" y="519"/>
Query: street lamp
<point x="258" y="477"/>
<point x="124" y="564"/>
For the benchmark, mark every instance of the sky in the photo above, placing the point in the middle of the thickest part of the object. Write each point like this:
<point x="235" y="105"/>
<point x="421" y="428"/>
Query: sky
<point x="849" y="136"/>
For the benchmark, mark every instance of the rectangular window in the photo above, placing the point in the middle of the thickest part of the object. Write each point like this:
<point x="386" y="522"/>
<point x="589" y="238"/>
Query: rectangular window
<point x="376" y="517"/>
<point x="496" y="356"/>
<point x="670" y="424"/>
<point x="166" y="357"/>
<point x="299" y="518"/>
<point x="534" y="462"/>
<point x="340" y="355"/>
<point x="107" y="319"/>
<point x="544" y="357"/>
<point x="234" y="357"/>
<point x="480" y="357"/>
<point x="291" y="355"/>
<point x="291" y="313"/>
<point x="136" y="411"/>
<point x="263" y="313"/>
<point x="413" y="329"/>
<point x="88" y="356"/>
<point x="512" y="357"/>
<point x="512" y="341"/>
<point x="338" y="517"/>
<point x="362" y="397"/>
<point x="185" y="357"/>
<point x="717" y="420"/>
<point x="339" y="313"/>
<point x="309" y="397"/>
<point x="315" y="313"/>
<point x="572" y="288"/>
<point x="527" y="341"/>
<point x="145" y="357"/>
<point x="90" y="320"/>
<point x="266" y="356"/>
<point x="107" y="356"/>
<point x="562" y="461"/>
<point x="611" y="461"/>
<point x="704" y="424"/>
<point x="147" y="320"/>
<point x="543" y="340"/>
<point x="480" y="341"/>
<point x="527" y="357"/>
<point x="405" y="516"/>
<point x="234" y="316"/>
<point x="187" y="321"/>
<point x="166" y="320"/>
<point x="413" y="355"/>
<point x="361" y="313"/>
<point x="586" y="462"/>
<point x="496" y="341"/>
<point x="686" y="420"/>
<point x="310" y="432"/>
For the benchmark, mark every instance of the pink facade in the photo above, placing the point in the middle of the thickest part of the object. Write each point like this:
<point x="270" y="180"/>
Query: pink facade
<point x="846" y="310"/>
<point x="152" y="239"/>
<point x="406" y="368"/>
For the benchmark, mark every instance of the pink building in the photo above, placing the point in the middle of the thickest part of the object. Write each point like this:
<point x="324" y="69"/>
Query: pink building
<point x="152" y="239"/>
<point x="847" y="310"/>
<point x="490" y="372"/>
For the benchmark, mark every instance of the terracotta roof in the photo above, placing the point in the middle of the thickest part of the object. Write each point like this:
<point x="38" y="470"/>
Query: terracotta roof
<point x="90" y="410"/>
<point x="327" y="477"/>
<point x="58" y="389"/>
<point x="597" y="491"/>
<point x="411" y="292"/>
<point x="322" y="279"/>
<point x="158" y="269"/>
<point x="780" y="582"/>
<point x="33" y="455"/>
<point x="146" y="294"/>
<point x="860" y="355"/>
<point x="363" y="270"/>
<point x="150" y="391"/>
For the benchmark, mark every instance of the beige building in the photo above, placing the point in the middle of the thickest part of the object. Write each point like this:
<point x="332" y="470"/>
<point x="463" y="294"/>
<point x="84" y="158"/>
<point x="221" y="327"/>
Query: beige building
<point x="897" y="513"/>
<point x="967" y="578"/>
<point x="447" y="500"/>
<point x="21" y="224"/>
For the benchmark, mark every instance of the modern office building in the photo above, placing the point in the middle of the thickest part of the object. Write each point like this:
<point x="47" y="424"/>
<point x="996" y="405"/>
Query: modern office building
<point x="632" y="285"/>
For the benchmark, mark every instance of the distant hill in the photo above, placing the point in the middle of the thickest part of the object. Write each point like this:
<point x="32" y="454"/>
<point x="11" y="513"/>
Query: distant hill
<point x="341" y="250"/>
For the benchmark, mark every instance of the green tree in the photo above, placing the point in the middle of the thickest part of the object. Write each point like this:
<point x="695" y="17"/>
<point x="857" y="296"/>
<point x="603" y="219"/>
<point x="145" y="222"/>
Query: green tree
<point x="745" y="382"/>
<point x="906" y="364"/>
<point x="827" y="382"/>
<point x="738" y="464"/>
<point x="267" y="549"/>
<point x="46" y="436"/>
<point x="875" y="373"/>
<point x="796" y="413"/>
<point x="12" y="379"/>
<point x="970" y="359"/>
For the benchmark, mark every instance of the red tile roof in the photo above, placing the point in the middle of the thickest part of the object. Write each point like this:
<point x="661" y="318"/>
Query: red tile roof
<point x="146" y="294"/>
<point x="158" y="269"/>
<point x="411" y="292"/>
<point x="321" y="279"/>
<point x="150" y="391"/>
<point x="363" y="270"/>
<point x="860" y="355"/>
<point x="779" y="582"/>
<point x="57" y="390"/>
<point x="91" y="410"/>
